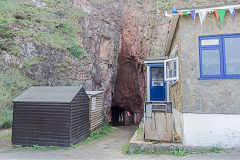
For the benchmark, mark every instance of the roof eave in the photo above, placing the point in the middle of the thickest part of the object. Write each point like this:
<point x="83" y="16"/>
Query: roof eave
<point x="171" y="33"/>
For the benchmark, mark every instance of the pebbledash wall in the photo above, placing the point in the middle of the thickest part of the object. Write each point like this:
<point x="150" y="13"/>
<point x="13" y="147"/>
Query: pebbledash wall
<point x="207" y="112"/>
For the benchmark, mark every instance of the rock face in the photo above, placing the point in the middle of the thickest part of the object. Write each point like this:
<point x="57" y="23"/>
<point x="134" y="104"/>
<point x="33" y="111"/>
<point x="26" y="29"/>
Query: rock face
<point x="117" y="35"/>
<point x="102" y="30"/>
<point x="129" y="91"/>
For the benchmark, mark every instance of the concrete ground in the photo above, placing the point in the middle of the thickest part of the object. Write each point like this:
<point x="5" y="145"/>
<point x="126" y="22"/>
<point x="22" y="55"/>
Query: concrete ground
<point x="109" y="147"/>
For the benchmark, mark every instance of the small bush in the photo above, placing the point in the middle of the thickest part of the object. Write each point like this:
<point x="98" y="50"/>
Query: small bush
<point x="137" y="151"/>
<point x="12" y="83"/>
<point x="6" y="119"/>
<point x="77" y="51"/>
<point x="60" y="12"/>
<point x="178" y="152"/>
<point x="5" y="30"/>
<point x="125" y="149"/>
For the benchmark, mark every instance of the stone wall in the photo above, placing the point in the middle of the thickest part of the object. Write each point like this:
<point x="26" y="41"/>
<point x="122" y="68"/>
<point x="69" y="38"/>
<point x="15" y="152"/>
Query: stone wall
<point x="206" y="96"/>
<point x="176" y="89"/>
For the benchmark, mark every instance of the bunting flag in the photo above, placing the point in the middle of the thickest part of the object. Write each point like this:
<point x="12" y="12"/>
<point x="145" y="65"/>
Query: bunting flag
<point x="217" y="15"/>
<point x="202" y="15"/>
<point x="221" y="13"/>
<point x="232" y="11"/>
<point x="180" y="12"/>
<point x="174" y="10"/>
<point x="193" y="14"/>
<point x="185" y="12"/>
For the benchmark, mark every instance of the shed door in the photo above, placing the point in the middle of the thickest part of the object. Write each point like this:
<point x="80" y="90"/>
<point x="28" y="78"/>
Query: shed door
<point x="157" y="84"/>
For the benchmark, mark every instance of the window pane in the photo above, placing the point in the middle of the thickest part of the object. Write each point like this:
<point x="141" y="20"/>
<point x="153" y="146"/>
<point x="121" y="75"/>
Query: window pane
<point x="171" y="69"/>
<point x="207" y="42"/>
<point x="157" y="77"/>
<point x="232" y="53"/>
<point x="211" y="62"/>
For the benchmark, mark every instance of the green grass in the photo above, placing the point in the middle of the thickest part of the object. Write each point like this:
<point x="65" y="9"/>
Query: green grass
<point x="7" y="136"/>
<point x="6" y="119"/>
<point x="125" y="149"/>
<point x="55" y="25"/>
<point x="37" y="147"/>
<point x="139" y="131"/>
<point x="106" y="129"/>
<point x="12" y="83"/>
<point x="179" y="152"/>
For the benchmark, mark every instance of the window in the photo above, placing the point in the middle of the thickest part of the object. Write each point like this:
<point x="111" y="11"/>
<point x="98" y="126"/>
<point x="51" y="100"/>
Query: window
<point x="219" y="56"/>
<point x="171" y="69"/>
<point x="157" y="77"/>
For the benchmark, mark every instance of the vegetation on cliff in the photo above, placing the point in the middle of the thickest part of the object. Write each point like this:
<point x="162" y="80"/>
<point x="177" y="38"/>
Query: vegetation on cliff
<point x="47" y="23"/>
<point x="50" y="23"/>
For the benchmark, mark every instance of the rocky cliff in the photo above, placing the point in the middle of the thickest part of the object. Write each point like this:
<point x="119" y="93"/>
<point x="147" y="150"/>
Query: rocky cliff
<point x="100" y="44"/>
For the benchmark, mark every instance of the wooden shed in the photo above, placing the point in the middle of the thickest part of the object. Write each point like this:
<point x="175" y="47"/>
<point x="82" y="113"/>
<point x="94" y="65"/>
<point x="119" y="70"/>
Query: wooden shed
<point x="95" y="109"/>
<point x="57" y="116"/>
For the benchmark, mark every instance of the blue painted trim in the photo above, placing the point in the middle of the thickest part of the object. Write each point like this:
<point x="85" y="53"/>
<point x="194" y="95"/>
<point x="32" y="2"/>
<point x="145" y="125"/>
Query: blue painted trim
<point x="205" y="78"/>
<point x="221" y="47"/>
<point x="155" y="64"/>
<point x="159" y="65"/>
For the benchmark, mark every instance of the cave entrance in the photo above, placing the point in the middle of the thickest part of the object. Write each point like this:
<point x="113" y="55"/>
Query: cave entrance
<point x="129" y="90"/>
<point x="121" y="117"/>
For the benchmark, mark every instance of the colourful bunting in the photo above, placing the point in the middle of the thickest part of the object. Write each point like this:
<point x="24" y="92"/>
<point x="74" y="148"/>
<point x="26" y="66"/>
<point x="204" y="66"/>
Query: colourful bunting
<point x="174" y="10"/>
<point x="202" y="15"/>
<point x="185" y="12"/>
<point x="221" y="13"/>
<point x="180" y="12"/>
<point x="193" y="14"/>
<point x="232" y="11"/>
<point x="217" y="15"/>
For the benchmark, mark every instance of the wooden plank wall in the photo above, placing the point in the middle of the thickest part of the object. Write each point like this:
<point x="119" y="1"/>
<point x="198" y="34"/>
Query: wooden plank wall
<point x="79" y="117"/>
<point x="96" y="116"/>
<point x="43" y="124"/>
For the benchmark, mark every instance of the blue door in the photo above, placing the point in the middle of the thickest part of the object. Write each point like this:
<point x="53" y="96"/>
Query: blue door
<point x="157" y="86"/>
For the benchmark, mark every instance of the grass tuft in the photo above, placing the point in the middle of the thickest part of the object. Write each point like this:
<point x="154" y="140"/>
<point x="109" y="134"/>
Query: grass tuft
<point x="180" y="152"/>
<point x="125" y="149"/>
<point x="106" y="129"/>
<point x="7" y="136"/>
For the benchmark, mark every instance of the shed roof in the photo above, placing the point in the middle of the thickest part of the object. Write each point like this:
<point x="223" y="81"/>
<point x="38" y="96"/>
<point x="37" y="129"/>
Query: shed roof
<point x="48" y="94"/>
<point x="93" y="92"/>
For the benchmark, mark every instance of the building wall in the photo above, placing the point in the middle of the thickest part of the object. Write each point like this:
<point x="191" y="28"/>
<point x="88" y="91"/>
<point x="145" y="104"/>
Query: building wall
<point x="222" y="130"/>
<point x="176" y="90"/>
<point x="206" y="96"/>
<point x="210" y="108"/>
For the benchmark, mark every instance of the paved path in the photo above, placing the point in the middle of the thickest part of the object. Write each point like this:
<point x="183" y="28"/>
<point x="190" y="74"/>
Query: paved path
<point x="109" y="147"/>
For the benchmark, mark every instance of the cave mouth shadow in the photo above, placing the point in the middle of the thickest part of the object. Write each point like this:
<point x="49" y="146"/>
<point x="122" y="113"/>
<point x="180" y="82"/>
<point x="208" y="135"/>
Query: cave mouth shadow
<point x="121" y="117"/>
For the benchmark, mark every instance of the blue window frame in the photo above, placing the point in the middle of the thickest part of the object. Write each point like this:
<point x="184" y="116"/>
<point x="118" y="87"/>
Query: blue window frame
<point x="219" y="56"/>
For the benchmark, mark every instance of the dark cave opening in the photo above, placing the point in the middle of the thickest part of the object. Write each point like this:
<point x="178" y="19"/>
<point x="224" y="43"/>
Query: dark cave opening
<point x="129" y="91"/>
<point x="121" y="117"/>
<point x="129" y="88"/>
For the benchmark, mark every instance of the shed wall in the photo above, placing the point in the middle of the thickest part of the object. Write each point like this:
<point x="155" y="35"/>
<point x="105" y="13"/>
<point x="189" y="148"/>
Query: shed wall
<point x="79" y="118"/>
<point x="43" y="124"/>
<point x="206" y="96"/>
<point x="96" y="116"/>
